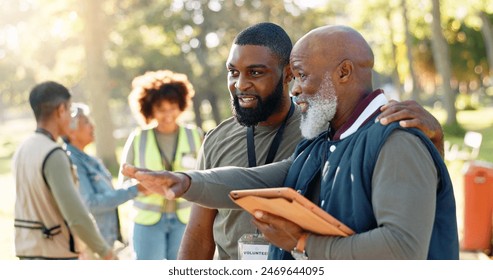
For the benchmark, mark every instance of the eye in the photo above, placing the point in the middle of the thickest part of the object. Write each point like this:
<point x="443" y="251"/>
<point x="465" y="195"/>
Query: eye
<point x="233" y="72"/>
<point x="299" y="76"/>
<point x="255" y="73"/>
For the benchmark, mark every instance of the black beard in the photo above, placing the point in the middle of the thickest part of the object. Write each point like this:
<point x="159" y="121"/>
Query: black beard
<point x="265" y="107"/>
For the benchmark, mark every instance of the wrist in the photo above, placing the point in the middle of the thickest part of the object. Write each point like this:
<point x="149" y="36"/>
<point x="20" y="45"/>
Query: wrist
<point x="299" y="252"/>
<point x="186" y="182"/>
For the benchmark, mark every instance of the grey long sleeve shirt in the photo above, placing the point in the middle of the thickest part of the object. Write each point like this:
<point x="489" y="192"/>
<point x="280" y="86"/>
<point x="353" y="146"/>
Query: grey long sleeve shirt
<point x="404" y="174"/>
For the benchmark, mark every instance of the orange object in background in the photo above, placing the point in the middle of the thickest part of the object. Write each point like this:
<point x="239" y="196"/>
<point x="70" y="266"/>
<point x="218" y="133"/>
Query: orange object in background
<point x="478" y="207"/>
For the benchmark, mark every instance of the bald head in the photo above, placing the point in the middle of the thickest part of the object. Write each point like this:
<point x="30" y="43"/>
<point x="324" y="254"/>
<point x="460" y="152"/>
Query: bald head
<point x="333" y="44"/>
<point x="339" y="42"/>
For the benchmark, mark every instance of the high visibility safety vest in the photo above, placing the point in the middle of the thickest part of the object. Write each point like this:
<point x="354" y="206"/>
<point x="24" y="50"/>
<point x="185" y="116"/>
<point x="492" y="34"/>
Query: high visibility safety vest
<point x="147" y="155"/>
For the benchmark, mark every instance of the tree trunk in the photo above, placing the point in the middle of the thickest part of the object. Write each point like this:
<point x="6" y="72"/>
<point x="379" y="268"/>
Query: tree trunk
<point x="409" y="47"/>
<point x="196" y="110"/>
<point x="2" y="110"/>
<point x="441" y="58"/>
<point x="215" y="113"/>
<point x="396" y="80"/>
<point x="487" y="31"/>
<point x="202" y="55"/>
<point x="95" y="81"/>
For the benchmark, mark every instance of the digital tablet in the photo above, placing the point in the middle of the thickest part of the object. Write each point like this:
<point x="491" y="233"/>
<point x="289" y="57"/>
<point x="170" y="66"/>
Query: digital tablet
<point x="289" y="204"/>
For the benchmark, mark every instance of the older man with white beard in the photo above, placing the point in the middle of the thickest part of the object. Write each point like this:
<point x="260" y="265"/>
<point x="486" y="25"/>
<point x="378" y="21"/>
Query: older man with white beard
<point x="323" y="108"/>
<point x="369" y="176"/>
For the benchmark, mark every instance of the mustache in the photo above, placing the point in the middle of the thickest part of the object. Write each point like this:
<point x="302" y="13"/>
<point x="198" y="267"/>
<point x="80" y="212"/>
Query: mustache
<point x="296" y="99"/>
<point x="238" y="93"/>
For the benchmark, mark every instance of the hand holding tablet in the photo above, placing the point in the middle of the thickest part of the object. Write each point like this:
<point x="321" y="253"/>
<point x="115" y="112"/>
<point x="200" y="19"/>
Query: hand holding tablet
<point x="289" y="204"/>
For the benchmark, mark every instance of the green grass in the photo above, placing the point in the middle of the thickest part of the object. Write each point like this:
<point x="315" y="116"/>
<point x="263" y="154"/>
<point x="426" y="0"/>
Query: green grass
<point x="7" y="147"/>
<point x="480" y="120"/>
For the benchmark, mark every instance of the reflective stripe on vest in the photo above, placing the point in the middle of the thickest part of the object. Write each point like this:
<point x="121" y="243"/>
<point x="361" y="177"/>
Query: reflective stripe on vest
<point x="156" y="208"/>
<point x="147" y="155"/>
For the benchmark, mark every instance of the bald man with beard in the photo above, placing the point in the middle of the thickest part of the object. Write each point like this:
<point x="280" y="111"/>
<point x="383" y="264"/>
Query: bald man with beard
<point x="388" y="183"/>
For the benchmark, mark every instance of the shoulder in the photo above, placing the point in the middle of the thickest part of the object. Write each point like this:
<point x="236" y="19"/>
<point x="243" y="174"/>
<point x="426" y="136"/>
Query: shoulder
<point x="82" y="160"/>
<point x="72" y="152"/>
<point x="402" y="139"/>
<point x="224" y="127"/>
<point x="398" y="140"/>
<point x="225" y="134"/>
<point x="384" y="132"/>
<point x="375" y="134"/>
<point x="57" y="158"/>
<point x="406" y="152"/>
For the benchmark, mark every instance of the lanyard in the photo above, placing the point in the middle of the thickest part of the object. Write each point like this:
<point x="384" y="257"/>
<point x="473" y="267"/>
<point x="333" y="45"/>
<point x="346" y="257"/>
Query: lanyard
<point x="276" y="142"/>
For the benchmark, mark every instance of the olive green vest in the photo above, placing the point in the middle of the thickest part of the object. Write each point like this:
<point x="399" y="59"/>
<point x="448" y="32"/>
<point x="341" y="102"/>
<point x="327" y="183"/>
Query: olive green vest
<point x="147" y="155"/>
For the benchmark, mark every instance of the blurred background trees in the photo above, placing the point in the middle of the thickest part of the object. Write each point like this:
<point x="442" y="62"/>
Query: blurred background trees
<point x="437" y="52"/>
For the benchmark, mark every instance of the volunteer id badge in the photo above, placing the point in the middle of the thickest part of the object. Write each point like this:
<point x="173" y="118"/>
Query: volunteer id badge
<point x="253" y="246"/>
<point x="188" y="161"/>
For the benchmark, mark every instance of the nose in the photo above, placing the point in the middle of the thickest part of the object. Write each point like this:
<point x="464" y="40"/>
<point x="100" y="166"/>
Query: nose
<point x="295" y="91"/>
<point x="242" y="83"/>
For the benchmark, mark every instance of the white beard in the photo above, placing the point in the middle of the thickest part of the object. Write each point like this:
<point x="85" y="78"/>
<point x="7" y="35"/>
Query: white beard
<point x="322" y="108"/>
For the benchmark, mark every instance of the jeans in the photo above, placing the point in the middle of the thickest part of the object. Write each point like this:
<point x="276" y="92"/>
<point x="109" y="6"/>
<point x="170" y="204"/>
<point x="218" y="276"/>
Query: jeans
<point x="159" y="241"/>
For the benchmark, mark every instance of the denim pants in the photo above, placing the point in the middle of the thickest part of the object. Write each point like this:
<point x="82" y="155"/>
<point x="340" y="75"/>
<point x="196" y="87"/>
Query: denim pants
<point x="159" y="241"/>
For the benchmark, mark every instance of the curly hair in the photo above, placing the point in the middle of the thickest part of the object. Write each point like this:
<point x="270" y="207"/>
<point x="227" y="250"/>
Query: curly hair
<point x="156" y="86"/>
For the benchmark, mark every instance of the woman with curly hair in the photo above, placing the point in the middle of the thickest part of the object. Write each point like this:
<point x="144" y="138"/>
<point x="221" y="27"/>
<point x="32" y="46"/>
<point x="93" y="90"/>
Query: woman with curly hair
<point x="157" y="100"/>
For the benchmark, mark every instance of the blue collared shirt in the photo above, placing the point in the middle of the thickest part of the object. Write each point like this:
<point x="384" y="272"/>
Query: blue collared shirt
<point x="98" y="194"/>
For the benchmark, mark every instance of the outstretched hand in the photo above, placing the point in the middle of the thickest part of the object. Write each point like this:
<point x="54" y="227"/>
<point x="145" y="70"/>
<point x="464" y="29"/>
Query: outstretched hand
<point x="168" y="184"/>
<point x="410" y="114"/>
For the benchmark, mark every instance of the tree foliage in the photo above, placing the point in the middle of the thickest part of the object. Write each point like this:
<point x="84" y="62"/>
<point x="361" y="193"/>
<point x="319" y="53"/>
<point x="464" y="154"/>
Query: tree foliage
<point x="44" y="39"/>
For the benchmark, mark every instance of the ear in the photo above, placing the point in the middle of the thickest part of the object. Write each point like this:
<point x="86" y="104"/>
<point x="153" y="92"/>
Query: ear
<point x="61" y="110"/>
<point x="288" y="75"/>
<point x="345" y="70"/>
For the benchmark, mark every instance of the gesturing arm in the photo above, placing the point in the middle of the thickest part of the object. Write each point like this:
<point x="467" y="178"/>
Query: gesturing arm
<point x="210" y="187"/>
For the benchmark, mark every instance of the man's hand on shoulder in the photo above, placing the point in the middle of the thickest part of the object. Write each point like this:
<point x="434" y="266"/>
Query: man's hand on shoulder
<point x="410" y="114"/>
